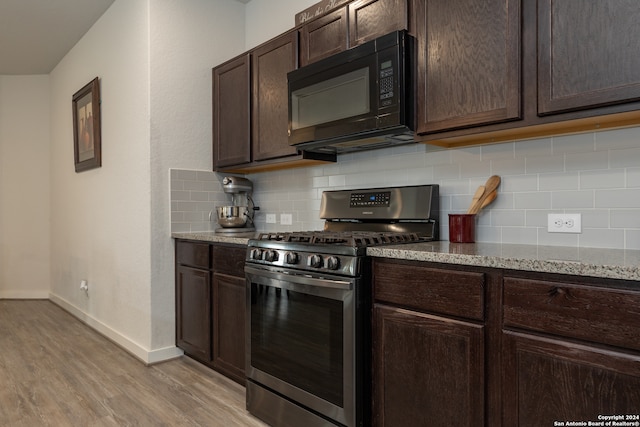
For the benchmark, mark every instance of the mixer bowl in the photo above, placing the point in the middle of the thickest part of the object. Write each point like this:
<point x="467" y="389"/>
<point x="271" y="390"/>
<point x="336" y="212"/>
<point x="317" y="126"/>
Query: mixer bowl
<point x="232" y="216"/>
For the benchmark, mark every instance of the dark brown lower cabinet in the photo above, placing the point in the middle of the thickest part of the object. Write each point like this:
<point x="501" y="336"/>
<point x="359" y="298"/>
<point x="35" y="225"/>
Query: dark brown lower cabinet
<point x="549" y="380"/>
<point x="465" y="346"/>
<point x="210" y="305"/>
<point x="228" y="326"/>
<point x="193" y="311"/>
<point x="429" y="370"/>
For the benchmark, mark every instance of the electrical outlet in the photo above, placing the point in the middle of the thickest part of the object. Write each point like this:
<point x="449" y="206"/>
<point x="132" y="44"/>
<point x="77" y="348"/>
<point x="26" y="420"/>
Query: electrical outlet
<point x="564" y="223"/>
<point x="271" y="218"/>
<point x="286" y="219"/>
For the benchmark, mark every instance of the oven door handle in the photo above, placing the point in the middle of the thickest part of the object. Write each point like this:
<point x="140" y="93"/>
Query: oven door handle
<point x="302" y="279"/>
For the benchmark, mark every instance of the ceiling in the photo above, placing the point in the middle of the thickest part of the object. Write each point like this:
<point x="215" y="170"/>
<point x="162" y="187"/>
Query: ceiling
<point x="36" y="34"/>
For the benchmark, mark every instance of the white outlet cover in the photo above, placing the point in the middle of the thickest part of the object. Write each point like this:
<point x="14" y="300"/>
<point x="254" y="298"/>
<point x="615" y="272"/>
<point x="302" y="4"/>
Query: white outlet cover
<point x="271" y="218"/>
<point x="564" y="223"/>
<point x="286" y="219"/>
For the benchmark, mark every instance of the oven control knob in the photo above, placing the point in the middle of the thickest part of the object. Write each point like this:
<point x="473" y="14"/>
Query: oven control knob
<point x="315" y="261"/>
<point x="291" y="258"/>
<point x="333" y="263"/>
<point x="271" y="256"/>
<point x="256" y="254"/>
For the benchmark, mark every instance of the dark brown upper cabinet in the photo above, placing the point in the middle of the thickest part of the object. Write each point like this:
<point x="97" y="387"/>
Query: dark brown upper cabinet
<point x="358" y="22"/>
<point x="587" y="54"/>
<point x="468" y="63"/>
<point x="369" y="19"/>
<point x="270" y="64"/>
<point x="231" y="112"/>
<point x="323" y="37"/>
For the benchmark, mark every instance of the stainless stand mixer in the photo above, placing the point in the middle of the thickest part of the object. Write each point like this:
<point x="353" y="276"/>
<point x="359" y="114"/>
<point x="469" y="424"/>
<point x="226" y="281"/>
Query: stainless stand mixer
<point x="237" y="218"/>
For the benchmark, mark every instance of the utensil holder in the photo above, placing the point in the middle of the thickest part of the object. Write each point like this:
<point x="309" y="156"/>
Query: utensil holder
<point x="462" y="228"/>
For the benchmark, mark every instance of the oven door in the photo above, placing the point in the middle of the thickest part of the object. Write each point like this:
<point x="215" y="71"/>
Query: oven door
<point x="300" y="339"/>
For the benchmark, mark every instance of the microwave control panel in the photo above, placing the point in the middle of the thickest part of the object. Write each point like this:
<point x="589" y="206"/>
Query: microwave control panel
<point x="386" y="84"/>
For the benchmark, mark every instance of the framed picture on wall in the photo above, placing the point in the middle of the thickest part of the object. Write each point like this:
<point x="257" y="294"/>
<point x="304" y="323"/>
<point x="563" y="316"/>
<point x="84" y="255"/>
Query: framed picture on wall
<point x="87" y="147"/>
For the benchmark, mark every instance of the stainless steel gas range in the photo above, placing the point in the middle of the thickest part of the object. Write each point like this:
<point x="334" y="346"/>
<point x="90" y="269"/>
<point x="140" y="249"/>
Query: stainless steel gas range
<point x="309" y="306"/>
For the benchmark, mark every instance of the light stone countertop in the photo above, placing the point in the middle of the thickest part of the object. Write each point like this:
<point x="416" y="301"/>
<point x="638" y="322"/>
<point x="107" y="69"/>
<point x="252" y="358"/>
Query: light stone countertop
<point x="213" y="237"/>
<point x="594" y="262"/>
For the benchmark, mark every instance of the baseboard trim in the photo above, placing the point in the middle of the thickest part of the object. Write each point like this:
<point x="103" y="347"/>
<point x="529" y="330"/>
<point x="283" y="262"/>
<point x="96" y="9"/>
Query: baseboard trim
<point x="148" y="357"/>
<point x="24" y="294"/>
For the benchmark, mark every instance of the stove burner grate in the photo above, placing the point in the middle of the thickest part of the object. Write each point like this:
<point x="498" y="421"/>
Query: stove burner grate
<point x="352" y="238"/>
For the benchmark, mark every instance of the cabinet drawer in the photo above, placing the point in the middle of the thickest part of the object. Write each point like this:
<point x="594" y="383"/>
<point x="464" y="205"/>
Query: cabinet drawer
<point x="193" y="254"/>
<point x="449" y="292"/>
<point x="229" y="259"/>
<point x="603" y="315"/>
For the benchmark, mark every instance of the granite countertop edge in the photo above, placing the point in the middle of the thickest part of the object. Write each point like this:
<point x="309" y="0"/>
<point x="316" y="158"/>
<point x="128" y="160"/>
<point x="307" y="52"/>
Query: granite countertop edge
<point x="595" y="262"/>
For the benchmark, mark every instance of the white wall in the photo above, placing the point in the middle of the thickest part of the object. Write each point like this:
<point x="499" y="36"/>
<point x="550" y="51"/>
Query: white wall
<point x="266" y="19"/>
<point x="187" y="39"/>
<point x="100" y="229"/>
<point x="111" y="226"/>
<point x="24" y="187"/>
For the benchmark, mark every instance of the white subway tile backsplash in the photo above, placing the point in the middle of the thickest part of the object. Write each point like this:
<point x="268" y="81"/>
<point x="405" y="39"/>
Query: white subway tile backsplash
<point x="532" y="200"/>
<point x="504" y="151"/>
<point x="545" y="164"/>
<point x="337" y="181"/>
<point x="633" y="177"/>
<point x="617" y="138"/>
<point x="446" y="171"/>
<point x="618" y="198"/>
<point x="625" y="218"/>
<point x="596" y="218"/>
<point x="613" y="178"/>
<point x="512" y="218"/>
<point x="476" y="169"/>
<point x="632" y="239"/>
<point x="595" y="174"/>
<point x="320" y="181"/>
<point x="195" y="193"/>
<point x="586" y="161"/>
<point x="601" y="238"/>
<point x="572" y="199"/>
<point x="578" y="143"/>
<point x="509" y="166"/>
<point x="542" y="147"/>
<point x="627" y="158"/>
<point x="516" y="235"/>
<point x="559" y="181"/>
<point x="556" y="239"/>
<point x="518" y="183"/>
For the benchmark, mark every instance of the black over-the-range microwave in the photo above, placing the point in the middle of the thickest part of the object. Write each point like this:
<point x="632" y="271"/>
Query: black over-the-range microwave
<point x="359" y="99"/>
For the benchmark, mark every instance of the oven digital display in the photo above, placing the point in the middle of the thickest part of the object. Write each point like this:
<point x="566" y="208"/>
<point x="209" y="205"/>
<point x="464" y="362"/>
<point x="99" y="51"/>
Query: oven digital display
<point x="377" y="199"/>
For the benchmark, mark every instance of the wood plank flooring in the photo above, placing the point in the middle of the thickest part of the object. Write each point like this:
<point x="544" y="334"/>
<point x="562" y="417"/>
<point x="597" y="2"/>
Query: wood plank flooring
<point x="56" y="371"/>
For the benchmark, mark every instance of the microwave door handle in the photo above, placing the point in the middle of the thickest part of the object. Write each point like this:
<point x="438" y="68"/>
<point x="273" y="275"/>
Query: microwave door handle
<point x="298" y="278"/>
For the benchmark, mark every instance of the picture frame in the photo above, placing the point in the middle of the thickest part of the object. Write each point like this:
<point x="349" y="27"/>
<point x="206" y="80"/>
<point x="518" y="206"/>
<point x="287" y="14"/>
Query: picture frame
<point x="87" y="144"/>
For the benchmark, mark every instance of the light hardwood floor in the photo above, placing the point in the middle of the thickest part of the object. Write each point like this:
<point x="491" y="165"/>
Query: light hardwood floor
<point x="56" y="371"/>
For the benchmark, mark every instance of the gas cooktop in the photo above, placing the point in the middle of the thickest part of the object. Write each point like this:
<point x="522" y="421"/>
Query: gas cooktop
<point x="345" y="238"/>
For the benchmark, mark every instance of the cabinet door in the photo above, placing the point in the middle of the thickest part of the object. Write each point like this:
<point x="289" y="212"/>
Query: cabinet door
<point x="270" y="116"/>
<point x="548" y="380"/>
<point x="588" y="54"/>
<point x="231" y="109"/>
<point x="323" y="37"/>
<point x="369" y="19"/>
<point x="228" y="326"/>
<point x="193" y="312"/>
<point x="468" y="63"/>
<point x="428" y="370"/>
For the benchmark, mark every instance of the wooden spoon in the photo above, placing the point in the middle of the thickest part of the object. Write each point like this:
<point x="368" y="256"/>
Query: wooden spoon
<point x="490" y="186"/>
<point x="487" y="200"/>
<point x="476" y="198"/>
